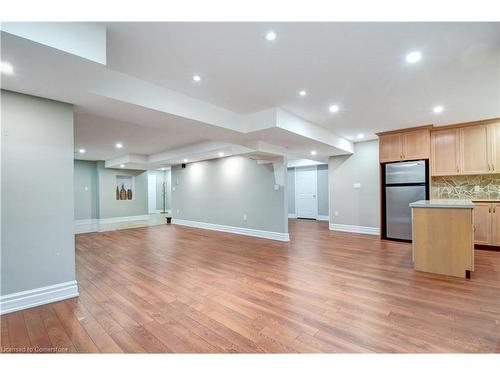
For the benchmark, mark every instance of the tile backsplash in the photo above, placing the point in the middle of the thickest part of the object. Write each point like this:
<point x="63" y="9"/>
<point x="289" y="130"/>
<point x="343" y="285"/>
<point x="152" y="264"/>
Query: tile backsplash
<point x="466" y="187"/>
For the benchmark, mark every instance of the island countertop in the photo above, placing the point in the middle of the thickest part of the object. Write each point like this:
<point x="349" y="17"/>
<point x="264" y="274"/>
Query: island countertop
<point x="443" y="203"/>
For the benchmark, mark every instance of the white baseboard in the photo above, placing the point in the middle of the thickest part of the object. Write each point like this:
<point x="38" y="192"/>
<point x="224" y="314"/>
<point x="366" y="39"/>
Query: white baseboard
<point x="39" y="296"/>
<point x="319" y="217"/>
<point x="103" y="225"/>
<point x="355" y="229"/>
<point x="237" y="230"/>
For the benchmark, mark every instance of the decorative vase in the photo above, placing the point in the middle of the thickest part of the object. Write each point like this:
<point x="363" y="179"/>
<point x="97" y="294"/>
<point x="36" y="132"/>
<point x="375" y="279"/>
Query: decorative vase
<point x="123" y="193"/>
<point x="117" y="193"/>
<point x="129" y="194"/>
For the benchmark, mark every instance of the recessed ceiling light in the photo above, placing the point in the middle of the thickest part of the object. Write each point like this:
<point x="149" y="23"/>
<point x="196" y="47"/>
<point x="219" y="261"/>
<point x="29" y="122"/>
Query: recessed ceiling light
<point x="185" y="160"/>
<point x="118" y="145"/>
<point x="333" y="108"/>
<point x="221" y="154"/>
<point x="413" y="57"/>
<point x="81" y="151"/>
<point x="6" y="68"/>
<point x="438" y="109"/>
<point x="196" y="78"/>
<point x="313" y="152"/>
<point x="271" y="35"/>
<point x="360" y="136"/>
<point x="303" y="93"/>
<point x="122" y="165"/>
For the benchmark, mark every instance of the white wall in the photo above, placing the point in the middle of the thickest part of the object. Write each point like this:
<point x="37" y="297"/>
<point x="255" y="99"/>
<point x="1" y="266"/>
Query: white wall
<point x="38" y="248"/>
<point x="350" y="206"/>
<point x="221" y="191"/>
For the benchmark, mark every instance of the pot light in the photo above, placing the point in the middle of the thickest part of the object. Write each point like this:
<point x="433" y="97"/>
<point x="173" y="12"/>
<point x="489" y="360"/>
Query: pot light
<point x="122" y="165"/>
<point x="438" y="109"/>
<point x="196" y="78"/>
<point x="6" y="68"/>
<point x="303" y="93"/>
<point x="313" y="152"/>
<point x="271" y="35"/>
<point x="413" y="57"/>
<point x="221" y="154"/>
<point x="185" y="161"/>
<point x="360" y="136"/>
<point x="333" y="108"/>
<point x="118" y="145"/>
<point x="81" y="151"/>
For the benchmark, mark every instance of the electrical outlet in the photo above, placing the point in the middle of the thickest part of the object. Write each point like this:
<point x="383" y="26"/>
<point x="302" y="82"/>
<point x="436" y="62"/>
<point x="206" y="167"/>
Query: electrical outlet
<point x="245" y="217"/>
<point x="276" y="187"/>
<point x="336" y="213"/>
<point x="178" y="211"/>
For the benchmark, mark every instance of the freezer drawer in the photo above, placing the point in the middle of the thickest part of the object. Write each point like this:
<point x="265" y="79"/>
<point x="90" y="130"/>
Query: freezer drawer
<point x="408" y="172"/>
<point x="397" y="209"/>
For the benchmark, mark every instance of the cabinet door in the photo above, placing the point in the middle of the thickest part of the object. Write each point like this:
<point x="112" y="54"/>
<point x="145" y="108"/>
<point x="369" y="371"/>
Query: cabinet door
<point x="495" y="215"/>
<point x="416" y="144"/>
<point x="445" y="151"/>
<point x="494" y="149"/>
<point x="482" y="223"/>
<point x="390" y="148"/>
<point x="474" y="149"/>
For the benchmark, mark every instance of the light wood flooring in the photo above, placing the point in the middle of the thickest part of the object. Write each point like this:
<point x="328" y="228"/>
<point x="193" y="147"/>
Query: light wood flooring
<point x="175" y="289"/>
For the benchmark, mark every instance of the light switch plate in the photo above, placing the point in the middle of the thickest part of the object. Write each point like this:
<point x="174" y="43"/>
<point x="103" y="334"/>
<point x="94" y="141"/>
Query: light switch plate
<point x="356" y="185"/>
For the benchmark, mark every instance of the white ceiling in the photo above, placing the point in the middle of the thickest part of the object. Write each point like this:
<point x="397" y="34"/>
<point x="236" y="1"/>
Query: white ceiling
<point x="360" y="66"/>
<point x="145" y="97"/>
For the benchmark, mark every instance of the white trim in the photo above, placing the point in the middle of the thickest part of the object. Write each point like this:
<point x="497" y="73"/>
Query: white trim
<point x="323" y="217"/>
<point x="39" y="296"/>
<point x="103" y="225"/>
<point x="86" y="225"/>
<point x="237" y="230"/>
<point x="354" y="229"/>
<point x="292" y="216"/>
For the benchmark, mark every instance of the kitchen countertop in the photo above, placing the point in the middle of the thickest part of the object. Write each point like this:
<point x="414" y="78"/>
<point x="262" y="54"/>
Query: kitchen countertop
<point x="443" y="203"/>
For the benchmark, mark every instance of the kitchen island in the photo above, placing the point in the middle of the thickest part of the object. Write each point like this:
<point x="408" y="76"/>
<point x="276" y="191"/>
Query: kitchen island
<point x="443" y="236"/>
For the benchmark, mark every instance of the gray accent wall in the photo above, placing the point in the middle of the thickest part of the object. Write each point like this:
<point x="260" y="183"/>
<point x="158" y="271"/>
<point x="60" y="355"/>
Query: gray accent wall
<point x="221" y="191"/>
<point x="355" y="206"/>
<point x="86" y="190"/>
<point x="37" y="212"/>
<point x="322" y="182"/>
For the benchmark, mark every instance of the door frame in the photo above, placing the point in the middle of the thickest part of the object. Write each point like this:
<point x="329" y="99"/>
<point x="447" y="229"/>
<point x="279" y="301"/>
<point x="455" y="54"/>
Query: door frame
<point x="296" y="195"/>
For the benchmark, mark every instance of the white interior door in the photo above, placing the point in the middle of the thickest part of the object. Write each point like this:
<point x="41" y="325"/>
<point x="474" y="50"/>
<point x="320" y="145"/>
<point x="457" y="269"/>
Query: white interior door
<point x="306" y="192"/>
<point x="151" y="193"/>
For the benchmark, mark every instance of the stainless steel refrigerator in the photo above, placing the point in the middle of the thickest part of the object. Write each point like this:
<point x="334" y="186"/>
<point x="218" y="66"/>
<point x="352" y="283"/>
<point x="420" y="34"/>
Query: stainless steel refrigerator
<point x="402" y="183"/>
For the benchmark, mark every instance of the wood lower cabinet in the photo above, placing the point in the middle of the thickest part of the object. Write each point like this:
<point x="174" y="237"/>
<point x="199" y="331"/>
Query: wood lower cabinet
<point x="445" y="152"/>
<point x="495" y="223"/>
<point x="482" y="224"/>
<point x="487" y="223"/>
<point x="474" y="150"/>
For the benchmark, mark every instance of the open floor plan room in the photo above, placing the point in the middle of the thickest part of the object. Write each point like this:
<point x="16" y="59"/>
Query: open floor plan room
<point x="250" y="188"/>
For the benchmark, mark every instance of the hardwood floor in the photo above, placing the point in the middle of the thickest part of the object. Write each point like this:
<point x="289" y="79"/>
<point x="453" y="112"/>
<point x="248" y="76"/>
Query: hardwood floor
<point x="178" y="289"/>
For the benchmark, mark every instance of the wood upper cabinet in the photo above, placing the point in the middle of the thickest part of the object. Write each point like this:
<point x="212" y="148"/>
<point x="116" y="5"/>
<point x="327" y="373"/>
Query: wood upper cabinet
<point x="445" y="152"/>
<point x="416" y="144"/>
<point x="494" y="147"/>
<point x="390" y="148"/>
<point x="474" y="149"/>
<point x="482" y="223"/>
<point x="406" y="145"/>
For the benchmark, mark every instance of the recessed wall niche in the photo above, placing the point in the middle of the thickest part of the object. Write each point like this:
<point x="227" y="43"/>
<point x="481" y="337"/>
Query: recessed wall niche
<point x="125" y="188"/>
